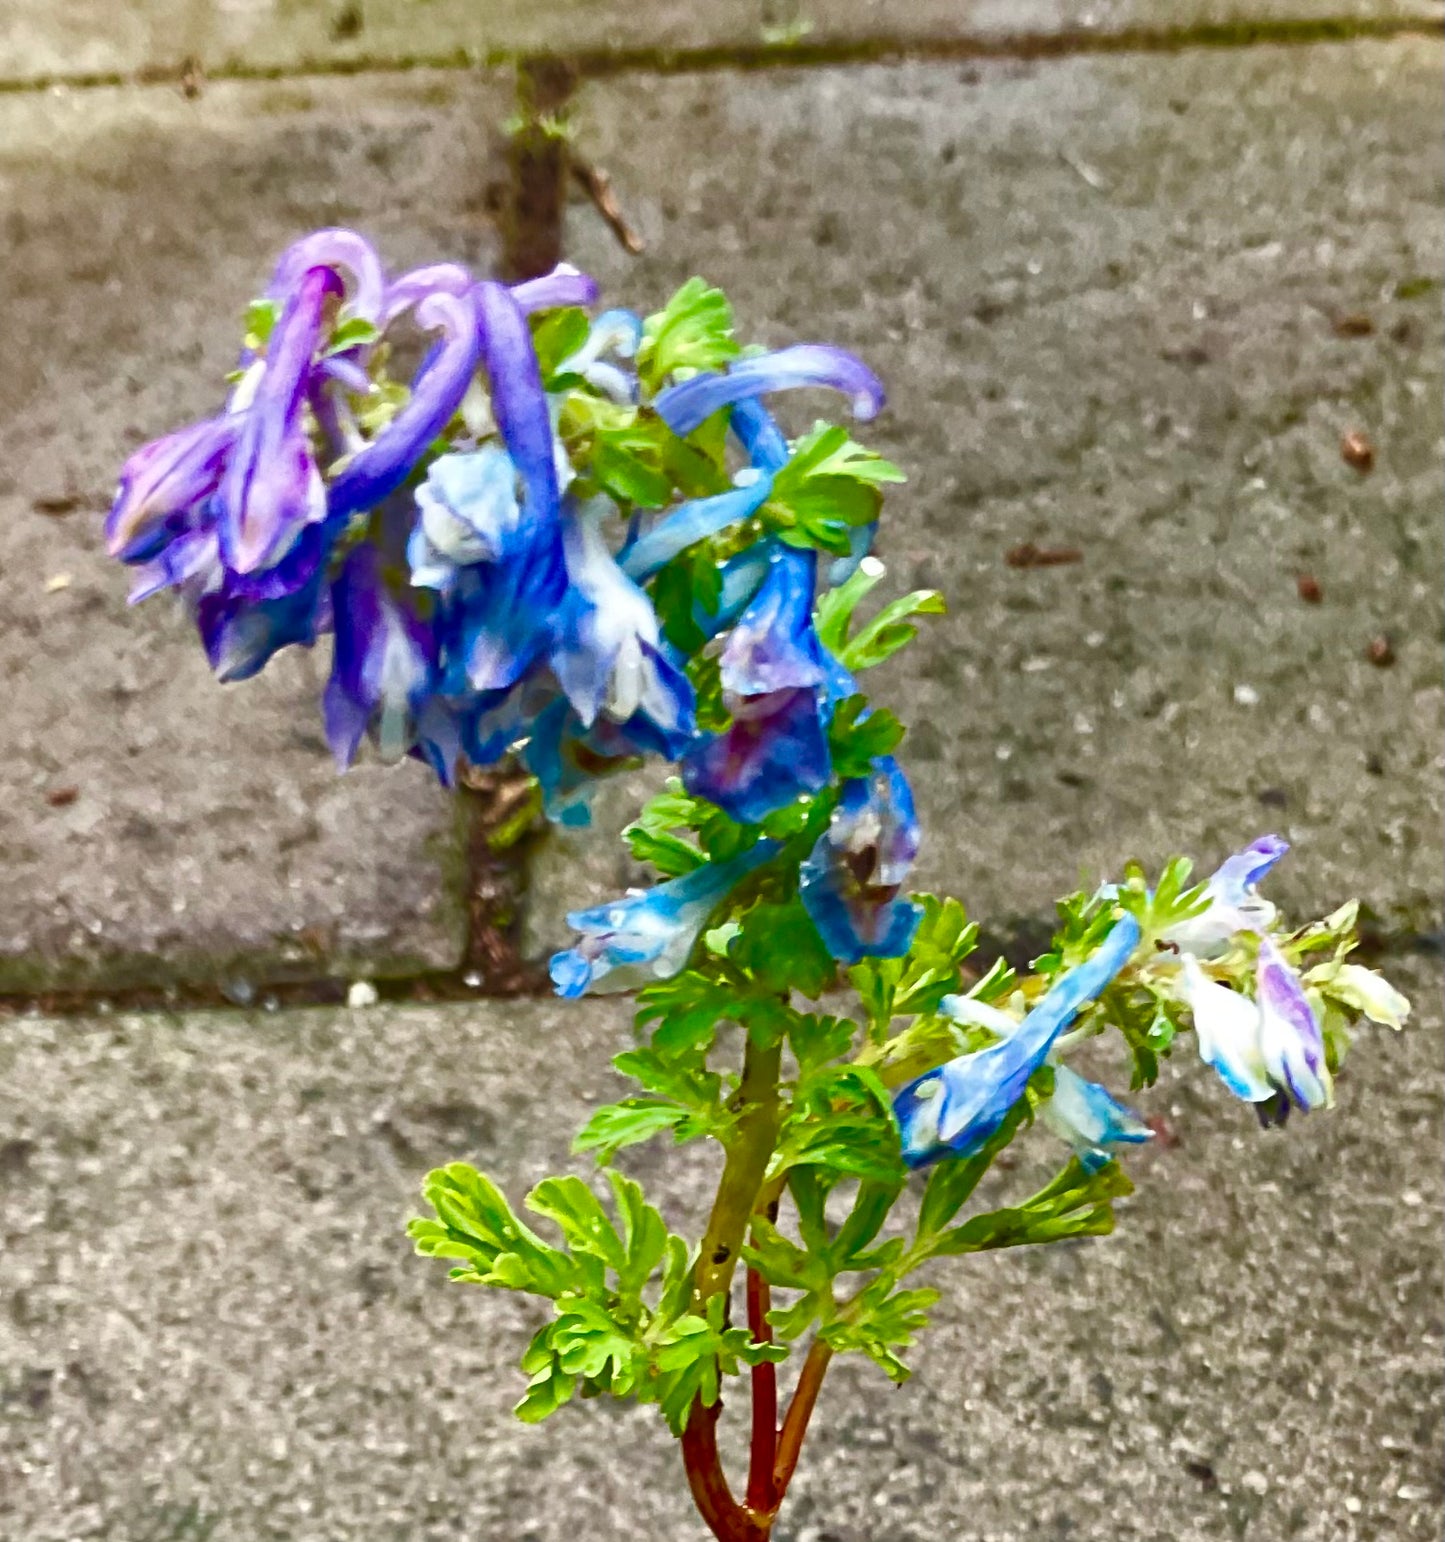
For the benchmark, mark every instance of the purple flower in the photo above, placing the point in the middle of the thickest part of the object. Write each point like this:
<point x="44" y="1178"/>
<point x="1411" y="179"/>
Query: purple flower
<point x="687" y="406"/>
<point x="957" y="1107"/>
<point x="563" y="286"/>
<point x="1267" y="1050"/>
<point x="776" y="747"/>
<point x="272" y="487"/>
<point x="437" y="389"/>
<point x="850" y="882"/>
<point x="342" y="251"/>
<point x="245" y="618"/>
<point x="1232" y="900"/>
<point x="384" y="665"/>
<point x="164" y="485"/>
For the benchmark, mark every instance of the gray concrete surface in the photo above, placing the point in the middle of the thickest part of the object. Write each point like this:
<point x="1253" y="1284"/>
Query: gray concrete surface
<point x="207" y="829"/>
<point x="211" y="1325"/>
<point x="41" y="38"/>
<point x="1103" y="294"/>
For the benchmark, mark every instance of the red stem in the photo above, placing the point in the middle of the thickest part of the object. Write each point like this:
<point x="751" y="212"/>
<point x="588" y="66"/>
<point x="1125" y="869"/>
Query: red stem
<point x="763" y="1454"/>
<point x="800" y="1410"/>
<point x="726" y="1518"/>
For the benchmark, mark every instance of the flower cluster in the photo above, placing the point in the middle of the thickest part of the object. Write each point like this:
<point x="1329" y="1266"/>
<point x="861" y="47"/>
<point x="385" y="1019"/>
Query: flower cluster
<point x="488" y="540"/>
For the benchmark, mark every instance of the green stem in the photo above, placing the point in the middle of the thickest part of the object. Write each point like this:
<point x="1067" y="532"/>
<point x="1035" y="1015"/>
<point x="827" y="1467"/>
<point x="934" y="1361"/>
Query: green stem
<point x="748" y="1153"/>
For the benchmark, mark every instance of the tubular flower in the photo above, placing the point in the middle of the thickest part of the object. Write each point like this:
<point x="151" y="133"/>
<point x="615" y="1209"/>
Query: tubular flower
<point x="1269" y="1050"/>
<point x="649" y="934"/>
<point x="957" y="1107"/>
<point x="1233" y="903"/>
<point x="164" y="486"/>
<point x="850" y="882"/>
<point x="610" y="655"/>
<point x="384" y="663"/>
<point x="772" y="671"/>
<point x="1090" y="1120"/>
<point x="272" y="486"/>
<point x="686" y="406"/>
<point x="437" y="389"/>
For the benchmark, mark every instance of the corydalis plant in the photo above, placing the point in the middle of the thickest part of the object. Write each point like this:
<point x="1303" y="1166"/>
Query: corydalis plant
<point x="582" y="541"/>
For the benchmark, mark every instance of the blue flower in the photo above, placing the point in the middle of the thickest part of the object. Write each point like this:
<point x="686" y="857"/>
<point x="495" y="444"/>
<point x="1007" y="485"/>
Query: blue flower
<point x="648" y="935"/>
<point x="687" y="406"/>
<point x="1232" y="900"/>
<point x="849" y="884"/>
<point x="1090" y="1120"/>
<point x="568" y="759"/>
<point x="772" y="668"/>
<point x="693" y="522"/>
<point x="469" y="512"/>
<point x="616" y="332"/>
<point x="610" y="655"/>
<point x="384" y="665"/>
<point x="956" y="1108"/>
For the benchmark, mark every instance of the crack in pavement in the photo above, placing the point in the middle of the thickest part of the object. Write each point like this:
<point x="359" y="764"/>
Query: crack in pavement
<point x="601" y="63"/>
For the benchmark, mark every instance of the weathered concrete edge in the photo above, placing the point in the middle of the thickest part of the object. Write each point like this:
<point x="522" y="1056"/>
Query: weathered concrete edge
<point x="884" y="48"/>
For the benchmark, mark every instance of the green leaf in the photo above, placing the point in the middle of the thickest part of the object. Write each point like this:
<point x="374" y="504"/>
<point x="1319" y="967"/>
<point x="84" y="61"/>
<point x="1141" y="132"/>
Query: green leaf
<point x="856" y="740"/>
<point x="835" y="608"/>
<point x="261" y="317"/>
<point x="549" y="1386"/>
<point x="817" y="1040"/>
<point x="354" y="332"/>
<point x="668" y="853"/>
<point x="1076" y="1204"/>
<point x="579" y="1215"/>
<point x="916" y="984"/>
<point x="829" y="485"/>
<point x="556" y="336"/>
<point x="688" y="1008"/>
<point x="627" y="1123"/>
<point x="881" y="1321"/>
<point x="890" y="629"/>
<point x="474" y="1223"/>
<point x="780" y="950"/>
<point x="644" y="1236"/>
<point x="694" y="331"/>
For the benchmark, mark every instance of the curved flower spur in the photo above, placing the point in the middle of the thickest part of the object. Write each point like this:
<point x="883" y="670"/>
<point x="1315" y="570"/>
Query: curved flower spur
<point x="582" y="542"/>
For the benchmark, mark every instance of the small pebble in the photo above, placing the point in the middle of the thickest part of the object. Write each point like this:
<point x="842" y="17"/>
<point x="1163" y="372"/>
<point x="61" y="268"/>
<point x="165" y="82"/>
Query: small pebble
<point x="1412" y="1492"/>
<point x="1353" y="1505"/>
<point x="1246" y="696"/>
<point x="1357" y="451"/>
<point x="1309" y="589"/>
<point x="1355" y="325"/>
<point x="362" y="994"/>
<point x="1255" y="1482"/>
<point x="62" y="797"/>
<point x="1381" y="652"/>
<point x="56" y="582"/>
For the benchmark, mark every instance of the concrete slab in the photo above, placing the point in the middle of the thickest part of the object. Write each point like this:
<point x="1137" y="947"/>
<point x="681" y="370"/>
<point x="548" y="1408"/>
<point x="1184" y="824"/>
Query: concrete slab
<point x="212" y="1326"/>
<point x="1118" y="305"/>
<point x="69" y="38"/>
<point x="151" y="822"/>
